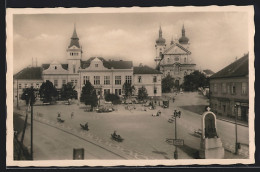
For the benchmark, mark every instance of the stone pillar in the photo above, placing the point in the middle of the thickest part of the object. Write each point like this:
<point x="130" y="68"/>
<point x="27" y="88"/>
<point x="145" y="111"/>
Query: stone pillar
<point x="210" y="145"/>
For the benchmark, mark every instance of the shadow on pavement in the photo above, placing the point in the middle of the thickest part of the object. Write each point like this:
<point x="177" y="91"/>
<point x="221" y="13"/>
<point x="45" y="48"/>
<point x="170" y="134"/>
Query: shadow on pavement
<point x="18" y="122"/>
<point x="194" y="153"/>
<point x="198" y="109"/>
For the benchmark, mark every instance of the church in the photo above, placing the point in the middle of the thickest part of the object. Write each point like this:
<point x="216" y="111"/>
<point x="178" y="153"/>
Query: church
<point x="174" y="60"/>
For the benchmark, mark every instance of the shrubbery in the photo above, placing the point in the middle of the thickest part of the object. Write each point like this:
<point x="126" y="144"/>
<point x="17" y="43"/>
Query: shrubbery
<point x="115" y="99"/>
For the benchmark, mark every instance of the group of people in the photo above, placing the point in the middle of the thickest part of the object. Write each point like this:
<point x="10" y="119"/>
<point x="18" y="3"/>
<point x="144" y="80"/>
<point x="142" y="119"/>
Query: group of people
<point x="59" y="115"/>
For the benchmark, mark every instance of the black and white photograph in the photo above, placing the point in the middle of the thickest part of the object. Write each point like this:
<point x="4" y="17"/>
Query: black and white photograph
<point x="130" y="86"/>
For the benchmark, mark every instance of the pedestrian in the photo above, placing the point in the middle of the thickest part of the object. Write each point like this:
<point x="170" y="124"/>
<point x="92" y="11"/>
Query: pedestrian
<point x="72" y="114"/>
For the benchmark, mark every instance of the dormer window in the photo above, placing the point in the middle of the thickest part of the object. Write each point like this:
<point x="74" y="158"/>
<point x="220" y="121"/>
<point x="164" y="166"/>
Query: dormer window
<point x="96" y="65"/>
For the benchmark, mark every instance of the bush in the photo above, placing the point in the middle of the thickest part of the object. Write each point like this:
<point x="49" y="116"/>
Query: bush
<point x="115" y="99"/>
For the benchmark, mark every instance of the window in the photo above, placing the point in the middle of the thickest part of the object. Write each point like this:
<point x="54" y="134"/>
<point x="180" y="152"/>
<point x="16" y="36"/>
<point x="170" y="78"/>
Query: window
<point x="72" y="81"/>
<point x="96" y="80"/>
<point x="139" y="79"/>
<point x="76" y="81"/>
<point x="63" y="82"/>
<point x="155" y="90"/>
<point x="118" y="92"/>
<point x="233" y="89"/>
<point x="25" y="85"/>
<point x="31" y="84"/>
<point x="185" y="60"/>
<point x="56" y="83"/>
<point x="168" y="60"/>
<point x="55" y="67"/>
<point x="117" y="80"/>
<point x="96" y="65"/>
<point x="228" y="88"/>
<point x="154" y="78"/>
<point x="20" y="86"/>
<point x="224" y="108"/>
<point x="106" y="80"/>
<point x="85" y="79"/>
<point x="244" y="88"/>
<point x="106" y="91"/>
<point x="185" y="73"/>
<point x="128" y="79"/>
<point x="37" y="85"/>
<point x="74" y="68"/>
<point x="215" y="88"/>
<point x="224" y="88"/>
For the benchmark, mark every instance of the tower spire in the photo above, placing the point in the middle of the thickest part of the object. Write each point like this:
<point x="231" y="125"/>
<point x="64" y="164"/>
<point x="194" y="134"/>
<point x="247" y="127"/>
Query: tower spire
<point x="160" y="31"/>
<point x="74" y="38"/>
<point x="183" y="30"/>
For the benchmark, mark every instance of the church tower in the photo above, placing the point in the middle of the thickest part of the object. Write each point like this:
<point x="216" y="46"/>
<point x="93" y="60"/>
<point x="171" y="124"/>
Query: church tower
<point x="74" y="53"/>
<point x="159" y="47"/>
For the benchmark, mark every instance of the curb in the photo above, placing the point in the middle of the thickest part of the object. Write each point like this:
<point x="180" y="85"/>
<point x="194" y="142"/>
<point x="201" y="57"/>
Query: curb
<point x="245" y="125"/>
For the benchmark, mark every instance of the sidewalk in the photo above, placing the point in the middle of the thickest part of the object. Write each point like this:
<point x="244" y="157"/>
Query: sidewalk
<point x="232" y="120"/>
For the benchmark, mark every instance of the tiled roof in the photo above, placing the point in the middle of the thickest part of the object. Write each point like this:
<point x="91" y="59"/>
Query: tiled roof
<point x="29" y="73"/>
<point x="109" y="64"/>
<point x="145" y="70"/>
<point x="178" y="45"/>
<point x="208" y="72"/>
<point x="235" y="69"/>
<point x="46" y="66"/>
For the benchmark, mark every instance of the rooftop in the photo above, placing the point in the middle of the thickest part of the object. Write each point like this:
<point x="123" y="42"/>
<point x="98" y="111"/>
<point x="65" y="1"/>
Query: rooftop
<point x="145" y="70"/>
<point x="119" y="64"/>
<point x="29" y="73"/>
<point x="236" y="69"/>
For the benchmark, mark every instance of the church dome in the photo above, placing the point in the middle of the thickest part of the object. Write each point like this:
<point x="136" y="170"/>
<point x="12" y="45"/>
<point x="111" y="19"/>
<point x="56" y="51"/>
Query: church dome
<point x="183" y="40"/>
<point x="160" y="41"/>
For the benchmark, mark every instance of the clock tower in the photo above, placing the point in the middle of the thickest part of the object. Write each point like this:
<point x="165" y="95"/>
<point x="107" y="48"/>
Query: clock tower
<point x="74" y="53"/>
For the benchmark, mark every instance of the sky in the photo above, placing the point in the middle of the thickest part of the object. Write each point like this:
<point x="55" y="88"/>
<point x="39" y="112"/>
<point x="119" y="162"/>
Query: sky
<point x="216" y="38"/>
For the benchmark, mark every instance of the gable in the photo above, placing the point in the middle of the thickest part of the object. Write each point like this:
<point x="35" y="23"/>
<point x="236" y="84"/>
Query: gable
<point x="176" y="49"/>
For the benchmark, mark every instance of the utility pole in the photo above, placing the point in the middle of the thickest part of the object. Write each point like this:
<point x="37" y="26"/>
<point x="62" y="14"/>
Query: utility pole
<point x="236" y="114"/>
<point x="31" y="127"/>
<point x="176" y="114"/>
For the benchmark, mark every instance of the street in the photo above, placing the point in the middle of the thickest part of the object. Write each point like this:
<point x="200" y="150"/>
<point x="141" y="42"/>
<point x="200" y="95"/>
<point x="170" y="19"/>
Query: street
<point x="144" y="136"/>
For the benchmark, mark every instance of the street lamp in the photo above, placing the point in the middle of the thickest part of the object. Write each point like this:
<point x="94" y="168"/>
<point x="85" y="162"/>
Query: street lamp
<point x="176" y="114"/>
<point x="237" y="146"/>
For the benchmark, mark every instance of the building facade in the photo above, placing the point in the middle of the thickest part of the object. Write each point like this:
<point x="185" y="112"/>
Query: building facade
<point x="174" y="60"/>
<point x="26" y="78"/>
<point x="229" y="90"/>
<point x="149" y="78"/>
<point x="107" y="76"/>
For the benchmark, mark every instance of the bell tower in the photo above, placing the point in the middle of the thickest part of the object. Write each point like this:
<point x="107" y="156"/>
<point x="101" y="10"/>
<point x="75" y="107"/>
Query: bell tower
<point x="74" y="53"/>
<point x="159" y="47"/>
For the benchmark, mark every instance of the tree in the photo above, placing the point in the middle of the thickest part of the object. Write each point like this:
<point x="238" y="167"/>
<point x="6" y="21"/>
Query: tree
<point x="115" y="99"/>
<point x="128" y="89"/>
<point x="167" y="84"/>
<point x="68" y="91"/>
<point x="88" y="95"/>
<point x="47" y="91"/>
<point x="142" y="93"/>
<point x="195" y="80"/>
<point x="28" y="95"/>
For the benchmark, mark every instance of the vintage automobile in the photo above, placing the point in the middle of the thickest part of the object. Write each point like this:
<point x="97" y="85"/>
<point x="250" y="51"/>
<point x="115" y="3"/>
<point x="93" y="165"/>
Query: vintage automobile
<point x="158" y="113"/>
<point x="116" y="137"/>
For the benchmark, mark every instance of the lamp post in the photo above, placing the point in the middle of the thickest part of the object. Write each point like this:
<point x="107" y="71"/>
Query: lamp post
<point x="176" y="114"/>
<point x="236" y="114"/>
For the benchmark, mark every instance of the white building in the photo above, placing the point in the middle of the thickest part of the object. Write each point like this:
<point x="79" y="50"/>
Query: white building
<point x="174" y="60"/>
<point x="149" y="78"/>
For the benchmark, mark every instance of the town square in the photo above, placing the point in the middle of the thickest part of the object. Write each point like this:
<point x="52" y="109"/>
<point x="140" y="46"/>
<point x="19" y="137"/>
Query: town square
<point x="131" y="86"/>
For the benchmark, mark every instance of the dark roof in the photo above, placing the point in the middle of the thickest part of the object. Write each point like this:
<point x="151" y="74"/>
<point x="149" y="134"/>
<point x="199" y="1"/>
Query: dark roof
<point x="208" y="71"/>
<point x="109" y="64"/>
<point x="74" y="39"/>
<point x="236" y="69"/>
<point x="29" y="73"/>
<point x="46" y="66"/>
<point x="145" y="70"/>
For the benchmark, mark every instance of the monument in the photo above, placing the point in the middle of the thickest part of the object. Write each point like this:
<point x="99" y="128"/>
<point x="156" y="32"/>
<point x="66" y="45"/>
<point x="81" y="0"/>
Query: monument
<point x="210" y="144"/>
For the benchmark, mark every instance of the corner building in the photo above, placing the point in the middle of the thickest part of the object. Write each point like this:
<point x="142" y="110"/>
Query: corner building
<point x="229" y="90"/>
